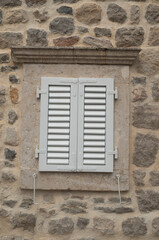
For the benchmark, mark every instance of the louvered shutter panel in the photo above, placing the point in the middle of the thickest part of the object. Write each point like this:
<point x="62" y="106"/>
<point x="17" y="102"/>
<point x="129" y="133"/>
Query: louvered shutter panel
<point x="58" y="124"/>
<point x="95" y="127"/>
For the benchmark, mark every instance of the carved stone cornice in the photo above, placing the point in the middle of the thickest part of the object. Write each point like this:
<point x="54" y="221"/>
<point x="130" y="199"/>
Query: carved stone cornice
<point x="50" y="55"/>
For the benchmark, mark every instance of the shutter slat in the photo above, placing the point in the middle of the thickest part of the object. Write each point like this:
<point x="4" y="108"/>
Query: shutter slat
<point x="95" y="95"/>
<point x="94" y="101"/>
<point x="59" y="124"/>
<point x="59" y="94"/>
<point x="94" y="162"/>
<point x="59" y="100"/>
<point x="58" y="119"/>
<point x="94" y="139"/>
<point x="60" y="161"/>
<point x="59" y="106"/>
<point x="59" y="89"/>
<point x="58" y="130"/>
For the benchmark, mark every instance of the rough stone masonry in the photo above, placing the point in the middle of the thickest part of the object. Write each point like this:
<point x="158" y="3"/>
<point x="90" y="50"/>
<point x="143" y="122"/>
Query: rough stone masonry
<point x="73" y="215"/>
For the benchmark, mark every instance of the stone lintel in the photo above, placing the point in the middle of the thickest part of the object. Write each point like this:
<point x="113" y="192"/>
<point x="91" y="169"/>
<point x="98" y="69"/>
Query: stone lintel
<point x="101" y="56"/>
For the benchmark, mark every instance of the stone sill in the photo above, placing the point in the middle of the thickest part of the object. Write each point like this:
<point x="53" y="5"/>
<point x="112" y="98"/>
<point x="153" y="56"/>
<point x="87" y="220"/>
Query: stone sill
<point x="101" y="56"/>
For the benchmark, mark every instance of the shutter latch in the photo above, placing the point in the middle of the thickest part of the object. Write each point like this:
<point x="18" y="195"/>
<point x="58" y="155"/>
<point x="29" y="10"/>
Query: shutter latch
<point x="115" y="93"/>
<point x="115" y="153"/>
<point x="38" y="151"/>
<point x="39" y="92"/>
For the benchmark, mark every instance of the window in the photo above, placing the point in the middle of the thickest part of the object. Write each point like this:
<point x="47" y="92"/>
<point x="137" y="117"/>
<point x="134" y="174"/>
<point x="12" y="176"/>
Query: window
<point x="76" y="125"/>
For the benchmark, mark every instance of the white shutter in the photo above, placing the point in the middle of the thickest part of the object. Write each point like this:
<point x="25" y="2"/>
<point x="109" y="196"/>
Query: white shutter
<point x="95" y="125"/>
<point x="58" y="124"/>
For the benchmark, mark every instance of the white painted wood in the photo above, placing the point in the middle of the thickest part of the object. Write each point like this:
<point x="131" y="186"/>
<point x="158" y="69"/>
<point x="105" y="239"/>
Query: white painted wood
<point x="95" y="128"/>
<point x="77" y="125"/>
<point x="58" y="125"/>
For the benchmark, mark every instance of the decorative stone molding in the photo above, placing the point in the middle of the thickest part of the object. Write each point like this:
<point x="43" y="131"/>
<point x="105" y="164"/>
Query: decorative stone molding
<point x="102" y="56"/>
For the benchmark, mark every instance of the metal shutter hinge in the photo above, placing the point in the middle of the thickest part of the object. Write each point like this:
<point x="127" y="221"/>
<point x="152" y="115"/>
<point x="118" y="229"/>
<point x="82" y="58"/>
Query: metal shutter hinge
<point x="39" y="92"/>
<point x="115" y="93"/>
<point x="38" y="151"/>
<point x="115" y="153"/>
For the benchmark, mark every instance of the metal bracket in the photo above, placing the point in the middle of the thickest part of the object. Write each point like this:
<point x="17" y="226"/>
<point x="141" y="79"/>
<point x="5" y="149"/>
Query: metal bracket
<point x="39" y="92"/>
<point x="115" y="153"/>
<point x="115" y="93"/>
<point x="38" y="151"/>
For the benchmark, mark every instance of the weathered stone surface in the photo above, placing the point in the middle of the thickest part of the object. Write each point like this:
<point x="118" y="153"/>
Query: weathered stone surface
<point x="82" y="30"/>
<point x="154" y="178"/>
<point x="13" y="79"/>
<point x="66" y="41"/>
<point x="155" y="226"/>
<point x="10" y="3"/>
<point x="82" y="222"/>
<point x="139" y="177"/>
<point x="134" y="227"/>
<point x="139" y="94"/>
<point x="2" y="95"/>
<point x="148" y="61"/>
<point x="1" y="116"/>
<point x="65" y="10"/>
<point x="99" y="32"/>
<point x="14" y="95"/>
<point x="12" y="116"/>
<point x="118" y="210"/>
<point x="147" y="200"/>
<point x="8" y="68"/>
<point x="4" y="57"/>
<point x="152" y="14"/>
<point x="138" y="80"/>
<point x="3" y="212"/>
<point x="41" y="15"/>
<point x="12" y="238"/>
<point x="16" y="16"/>
<point x="137" y="0"/>
<point x="89" y="13"/>
<point x="2" y="90"/>
<point x="146" y="147"/>
<point x="36" y="38"/>
<point x="95" y="42"/>
<point x="8" y="177"/>
<point x="116" y="13"/>
<point x="98" y="200"/>
<point x="35" y="3"/>
<point x="62" y="25"/>
<point x="10" y="39"/>
<point x="146" y="116"/>
<point x="27" y="221"/>
<point x="8" y="164"/>
<point x="9" y="203"/>
<point x="123" y="200"/>
<point x="129" y="37"/>
<point x="154" y="36"/>
<point x="65" y="1"/>
<point x="155" y="89"/>
<point x="9" y="154"/>
<point x="104" y="225"/>
<point x="61" y="226"/>
<point x="44" y="212"/>
<point x="26" y="203"/>
<point x="1" y="17"/>
<point x="88" y="238"/>
<point x="11" y="137"/>
<point x="134" y="14"/>
<point x="74" y="207"/>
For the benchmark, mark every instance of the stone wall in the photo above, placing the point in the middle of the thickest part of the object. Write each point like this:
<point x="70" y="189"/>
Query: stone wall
<point x="82" y="215"/>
